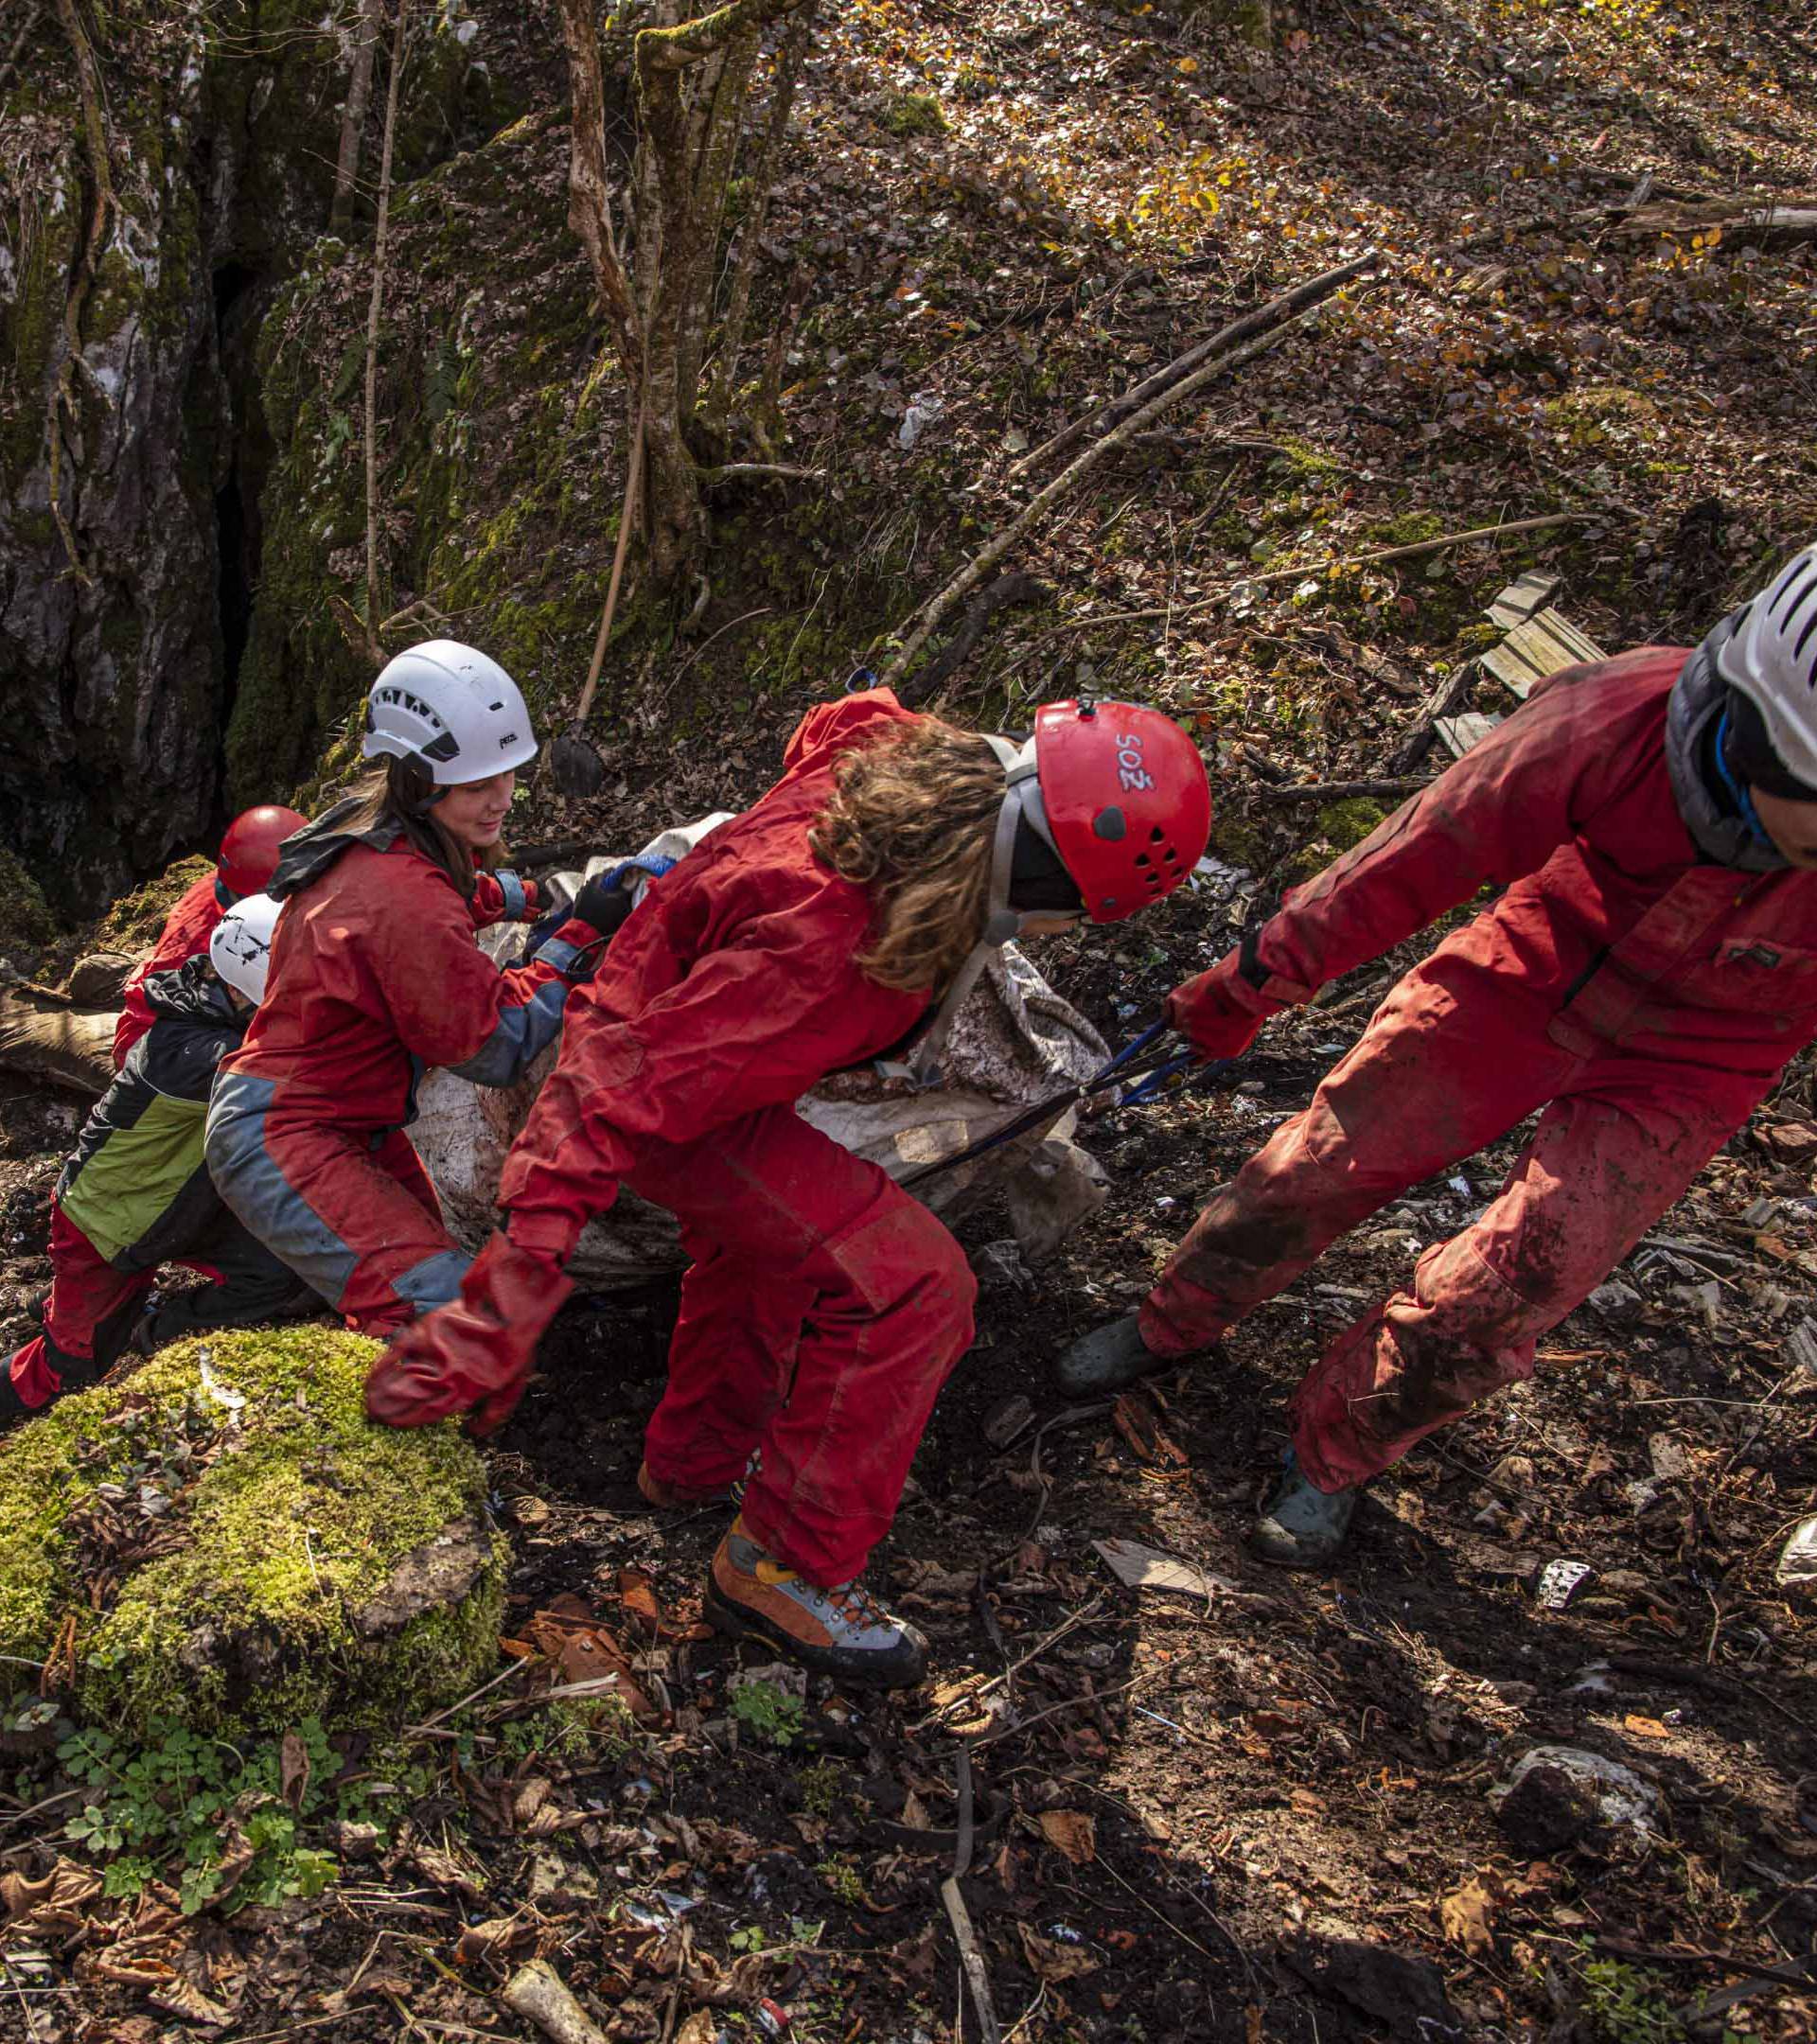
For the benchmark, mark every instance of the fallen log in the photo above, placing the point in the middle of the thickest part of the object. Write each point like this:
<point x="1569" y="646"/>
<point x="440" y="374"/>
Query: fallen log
<point x="1774" y="223"/>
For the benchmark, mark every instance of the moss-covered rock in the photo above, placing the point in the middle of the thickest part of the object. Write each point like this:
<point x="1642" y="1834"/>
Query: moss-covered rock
<point x="223" y="1539"/>
<point x="1342" y="824"/>
<point x="133" y="922"/>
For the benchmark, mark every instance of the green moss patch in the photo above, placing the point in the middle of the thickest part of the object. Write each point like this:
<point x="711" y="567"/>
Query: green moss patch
<point x="134" y="921"/>
<point x="236" y="1545"/>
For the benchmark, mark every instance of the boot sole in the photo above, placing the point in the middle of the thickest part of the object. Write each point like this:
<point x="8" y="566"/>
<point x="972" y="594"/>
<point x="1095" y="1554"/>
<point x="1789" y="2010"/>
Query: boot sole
<point x="868" y="1671"/>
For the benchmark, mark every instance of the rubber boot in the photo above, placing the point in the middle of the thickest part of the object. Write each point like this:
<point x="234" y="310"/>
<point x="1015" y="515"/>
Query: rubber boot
<point x="842" y="1632"/>
<point x="1108" y="1358"/>
<point x="1303" y="1527"/>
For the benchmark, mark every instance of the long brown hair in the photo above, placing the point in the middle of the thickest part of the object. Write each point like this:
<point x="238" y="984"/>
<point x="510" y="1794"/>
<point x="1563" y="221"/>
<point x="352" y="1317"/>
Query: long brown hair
<point x="914" y="819"/>
<point x="400" y="792"/>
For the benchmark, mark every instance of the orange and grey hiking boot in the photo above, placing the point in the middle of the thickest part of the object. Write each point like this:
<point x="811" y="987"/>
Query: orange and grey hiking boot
<point x="843" y="1631"/>
<point x="668" y="1496"/>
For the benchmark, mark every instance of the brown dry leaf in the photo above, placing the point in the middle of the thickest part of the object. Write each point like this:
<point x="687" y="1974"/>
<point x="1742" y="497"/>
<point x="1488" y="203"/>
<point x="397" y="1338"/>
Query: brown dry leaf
<point x="237" y="1857"/>
<point x="585" y="1651"/>
<point x="55" y="1901"/>
<point x="914" y="1812"/>
<point x="702" y="2027"/>
<point x="637" y="1592"/>
<point x="1644" y="1727"/>
<point x="1466" y="1914"/>
<point x="1303" y="1799"/>
<point x="178" y="1998"/>
<point x="1135" y="1419"/>
<point x="292" y="1770"/>
<point x="1053" y="1961"/>
<point x="1252" y="2026"/>
<point x="442" y="1870"/>
<point x="917" y="1956"/>
<point x="1072" y="1832"/>
<point x="498" y="1938"/>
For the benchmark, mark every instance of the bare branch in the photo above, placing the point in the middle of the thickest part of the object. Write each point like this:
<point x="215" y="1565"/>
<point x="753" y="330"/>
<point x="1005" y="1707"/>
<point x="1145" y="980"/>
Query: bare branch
<point x="353" y="114"/>
<point x="589" y="185"/>
<point x="1283" y="314"/>
<point x="376" y="307"/>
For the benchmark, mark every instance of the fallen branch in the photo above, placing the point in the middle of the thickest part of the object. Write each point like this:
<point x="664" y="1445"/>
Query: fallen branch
<point x="1290" y="311"/>
<point x="971" y="1957"/>
<point x="1341" y="790"/>
<point x="538" y="1992"/>
<point x="995" y="597"/>
<point x="1508" y="531"/>
<point x="1107" y="417"/>
<point x="746" y="471"/>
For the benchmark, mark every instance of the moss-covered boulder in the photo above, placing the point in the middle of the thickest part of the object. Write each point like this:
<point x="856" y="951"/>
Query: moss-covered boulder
<point x="222" y="1539"/>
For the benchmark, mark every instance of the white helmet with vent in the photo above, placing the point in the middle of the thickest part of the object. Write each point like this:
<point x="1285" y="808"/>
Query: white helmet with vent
<point x="241" y="949"/>
<point x="452" y="710"/>
<point x="1772" y="658"/>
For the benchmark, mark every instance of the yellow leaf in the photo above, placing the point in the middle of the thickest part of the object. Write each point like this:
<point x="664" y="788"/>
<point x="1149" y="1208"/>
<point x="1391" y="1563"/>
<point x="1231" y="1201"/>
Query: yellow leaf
<point x="1187" y="67"/>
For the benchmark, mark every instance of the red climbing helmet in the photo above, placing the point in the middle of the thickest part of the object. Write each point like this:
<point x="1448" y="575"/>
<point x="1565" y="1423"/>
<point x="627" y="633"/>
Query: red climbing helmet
<point x="249" y="851"/>
<point x="1126" y="802"/>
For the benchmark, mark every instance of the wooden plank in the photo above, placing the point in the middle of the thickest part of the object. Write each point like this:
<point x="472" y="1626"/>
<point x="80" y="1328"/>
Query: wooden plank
<point x="1579" y="644"/>
<point x="1458" y="733"/>
<point x="1521" y="598"/>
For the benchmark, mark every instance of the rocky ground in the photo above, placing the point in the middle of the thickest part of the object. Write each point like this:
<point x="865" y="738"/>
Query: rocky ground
<point x="1263" y="1806"/>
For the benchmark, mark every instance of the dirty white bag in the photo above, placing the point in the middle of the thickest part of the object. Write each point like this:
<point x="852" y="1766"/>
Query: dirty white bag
<point x="1014" y="1042"/>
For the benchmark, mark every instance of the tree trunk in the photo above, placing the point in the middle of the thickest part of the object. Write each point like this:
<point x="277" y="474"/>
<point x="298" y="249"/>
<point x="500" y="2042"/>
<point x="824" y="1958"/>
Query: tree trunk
<point x="353" y="114"/>
<point x="732" y="336"/>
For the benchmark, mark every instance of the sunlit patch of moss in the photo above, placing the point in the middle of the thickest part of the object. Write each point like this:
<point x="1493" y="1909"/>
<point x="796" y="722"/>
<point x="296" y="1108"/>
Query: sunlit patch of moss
<point x="133" y="922"/>
<point x="289" y="1514"/>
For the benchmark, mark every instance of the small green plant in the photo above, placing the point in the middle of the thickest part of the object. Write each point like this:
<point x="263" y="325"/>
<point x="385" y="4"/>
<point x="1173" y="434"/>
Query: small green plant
<point x="751" y="1939"/>
<point x="822" y="1785"/>
<point x="197" y="1810"/>
<point x="1627" y="2006"/>
<point x="769" y="1712"/>
<point x="842" y="1882"/>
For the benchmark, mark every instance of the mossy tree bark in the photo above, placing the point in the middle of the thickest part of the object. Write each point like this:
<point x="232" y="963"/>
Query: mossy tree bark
<point x="353" y="112"/>
<point x="693" y="81"/>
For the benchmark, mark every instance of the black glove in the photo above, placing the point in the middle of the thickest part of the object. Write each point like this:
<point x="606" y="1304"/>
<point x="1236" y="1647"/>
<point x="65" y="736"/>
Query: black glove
<point x="603" y="903"/>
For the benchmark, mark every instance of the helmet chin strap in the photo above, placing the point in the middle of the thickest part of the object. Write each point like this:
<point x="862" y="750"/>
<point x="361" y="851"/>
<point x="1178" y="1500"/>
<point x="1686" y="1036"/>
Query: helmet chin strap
<point x="1002" y="923"/>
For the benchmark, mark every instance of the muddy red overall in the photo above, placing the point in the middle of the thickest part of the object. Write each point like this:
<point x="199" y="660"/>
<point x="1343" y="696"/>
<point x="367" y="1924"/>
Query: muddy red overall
<point x="824" y="1307"/>
<point x="1642" y="1001"/>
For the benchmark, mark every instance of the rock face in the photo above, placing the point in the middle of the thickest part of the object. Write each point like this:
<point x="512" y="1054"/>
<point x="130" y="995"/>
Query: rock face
<point x="222" y="1539"/>
<point x="148" y="249"/>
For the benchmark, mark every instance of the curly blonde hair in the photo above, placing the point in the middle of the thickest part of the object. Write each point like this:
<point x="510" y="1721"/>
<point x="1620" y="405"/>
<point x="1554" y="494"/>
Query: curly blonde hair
<point x="915" y="820"/>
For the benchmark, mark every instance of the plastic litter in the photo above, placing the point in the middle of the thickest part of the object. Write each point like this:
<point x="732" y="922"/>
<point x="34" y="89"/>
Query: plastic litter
<point x="924" y="409"/>
<point x="1560" y="1582"/>
<point x="1797" y="1568"/>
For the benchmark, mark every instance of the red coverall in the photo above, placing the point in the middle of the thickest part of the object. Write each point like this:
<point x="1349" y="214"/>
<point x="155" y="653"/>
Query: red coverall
<point x="824" y="1307"/>
<point x="375" y="977"/>
<point x="185" y="933"/>
<point x="1644" y="1000"/>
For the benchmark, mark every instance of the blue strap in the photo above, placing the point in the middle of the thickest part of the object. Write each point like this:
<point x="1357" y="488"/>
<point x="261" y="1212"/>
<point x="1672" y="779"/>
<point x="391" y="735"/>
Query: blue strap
<point x="652" y="863"/>
<point x="512" y="888"/>
<point x="1738" y="794"/>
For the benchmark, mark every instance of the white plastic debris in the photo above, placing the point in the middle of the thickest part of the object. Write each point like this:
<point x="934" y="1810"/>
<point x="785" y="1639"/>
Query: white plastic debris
<point x="1797" y="1568"/>
<point x="1622" y="1797"/>
<point x="924" y="409"/>
<point x="1560" y="1582"/>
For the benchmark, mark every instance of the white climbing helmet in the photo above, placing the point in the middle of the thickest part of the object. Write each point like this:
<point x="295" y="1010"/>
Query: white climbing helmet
<point x="240" y="949"/>
<point x="1771" y="656"/>
<point x="452" y="710"/>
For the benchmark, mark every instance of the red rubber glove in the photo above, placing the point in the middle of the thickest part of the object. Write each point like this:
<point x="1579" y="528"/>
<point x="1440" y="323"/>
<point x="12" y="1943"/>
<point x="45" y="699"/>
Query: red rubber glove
<point x="1220" y="1012"/>
<point x="475" y="1354"/>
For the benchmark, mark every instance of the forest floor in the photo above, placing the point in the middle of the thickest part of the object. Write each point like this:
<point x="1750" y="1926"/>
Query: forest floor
<point x="1266" y="1810"/>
